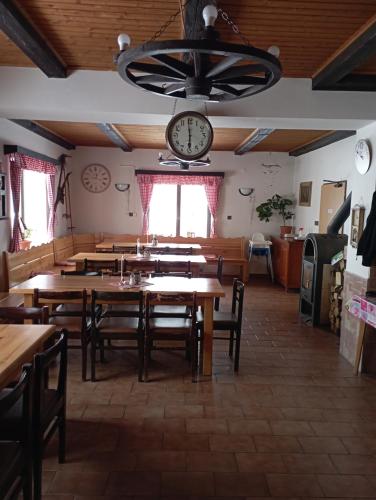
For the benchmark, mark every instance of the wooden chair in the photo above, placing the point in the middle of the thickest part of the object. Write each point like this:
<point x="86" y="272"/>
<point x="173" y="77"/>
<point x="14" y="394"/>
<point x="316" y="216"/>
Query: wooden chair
<point x="79" y="273"/>
<point x="117" y="321"/>
<point x="49" y="405"/>
<point x="169" y="267"/>
<point x="219" y="278"/>
<point x="172" y="311"/>
<point x="124" y="249"/>
<point x="180" y="251"/>
<point x="101" y="266"/>
<point x="69" y="310"/>
<point x="228" y="321"/>
<point x="15" y="451"/>
<point x="172" y="329"/>
<point x="18" y="315"/>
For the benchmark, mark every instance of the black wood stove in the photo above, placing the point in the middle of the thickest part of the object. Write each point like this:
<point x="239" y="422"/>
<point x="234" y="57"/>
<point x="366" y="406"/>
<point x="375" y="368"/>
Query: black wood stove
<point x="318" y="250"/>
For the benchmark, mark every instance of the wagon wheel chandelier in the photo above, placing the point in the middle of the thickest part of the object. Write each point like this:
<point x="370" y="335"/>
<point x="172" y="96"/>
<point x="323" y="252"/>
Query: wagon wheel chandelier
<point x="200" y="69"/>
<point x="174" y="162"/>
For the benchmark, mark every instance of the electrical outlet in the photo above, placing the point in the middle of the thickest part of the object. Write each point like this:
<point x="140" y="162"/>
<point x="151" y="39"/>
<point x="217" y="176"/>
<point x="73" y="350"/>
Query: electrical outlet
<point x="229" y="217"/>
<point x="131" y="214"/>
<point x="316" y="222"/>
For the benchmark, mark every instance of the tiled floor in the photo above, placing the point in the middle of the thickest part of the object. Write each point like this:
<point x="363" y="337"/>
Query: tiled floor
<point x="294" y="424"/>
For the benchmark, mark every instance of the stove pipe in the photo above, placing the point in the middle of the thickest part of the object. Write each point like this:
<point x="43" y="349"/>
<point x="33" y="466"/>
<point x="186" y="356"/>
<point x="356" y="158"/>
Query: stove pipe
<point x="340" y="217"/>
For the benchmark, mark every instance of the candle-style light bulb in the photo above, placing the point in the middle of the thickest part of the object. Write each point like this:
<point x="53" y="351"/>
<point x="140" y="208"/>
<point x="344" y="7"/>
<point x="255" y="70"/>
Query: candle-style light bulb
<point x="274" y="50"/>
<point x="124" y="41"/>
<point x="210" y="14"/>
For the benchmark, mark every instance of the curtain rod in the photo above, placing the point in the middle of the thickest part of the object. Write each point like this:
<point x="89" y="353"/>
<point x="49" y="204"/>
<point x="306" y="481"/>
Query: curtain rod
<point x="169" y="172"/>
<point x="8" y="149"/>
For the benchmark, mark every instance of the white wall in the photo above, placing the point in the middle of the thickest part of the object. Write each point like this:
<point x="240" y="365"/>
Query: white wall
<point x="10" y="133"/>
<point x="336" y="162"/>
<point x="108" y="211"/>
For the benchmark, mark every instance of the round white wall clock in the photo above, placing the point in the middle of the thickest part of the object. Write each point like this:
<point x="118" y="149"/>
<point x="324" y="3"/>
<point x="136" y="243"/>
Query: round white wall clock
<point x="96" y="178"/>
<point x="362" y="156"/>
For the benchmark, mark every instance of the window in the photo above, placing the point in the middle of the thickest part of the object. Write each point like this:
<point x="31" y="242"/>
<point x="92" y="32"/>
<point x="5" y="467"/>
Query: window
<point x="34" y="206"/>
<point x="179" y="210"/>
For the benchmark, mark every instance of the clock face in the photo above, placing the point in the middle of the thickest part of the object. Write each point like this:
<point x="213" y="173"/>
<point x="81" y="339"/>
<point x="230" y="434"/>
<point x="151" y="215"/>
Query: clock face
<point x="362" y="156"/>
<point x="189" y="135"/>
<point x="96" y="178"/>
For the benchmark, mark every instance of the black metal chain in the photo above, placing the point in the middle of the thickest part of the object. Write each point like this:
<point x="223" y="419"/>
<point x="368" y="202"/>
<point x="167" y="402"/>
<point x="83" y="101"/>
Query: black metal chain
<point x="235" y="28"/>
<point x="169" y="21"/>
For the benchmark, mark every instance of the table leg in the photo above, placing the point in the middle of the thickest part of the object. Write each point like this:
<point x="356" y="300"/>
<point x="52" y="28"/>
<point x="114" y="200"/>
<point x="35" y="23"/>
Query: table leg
<point x="359" y="346"/>
<point x="28" y="300"/>
<point x="208" y="336"/>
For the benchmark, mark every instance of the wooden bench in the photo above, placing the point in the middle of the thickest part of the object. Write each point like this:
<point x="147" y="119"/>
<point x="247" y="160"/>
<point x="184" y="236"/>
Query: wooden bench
<point x="233" y="250"/>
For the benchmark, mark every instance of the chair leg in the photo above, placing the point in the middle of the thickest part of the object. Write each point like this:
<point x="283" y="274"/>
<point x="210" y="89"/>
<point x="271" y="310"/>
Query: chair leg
<point x="237" y="350"/>
<point x="146" y="359"/>
<point x="37" y="466"/>
<point x="62" y="436"/>
<point x="101" y="351"/>
<point x="140" y="345"/>
<point x="84" y="344"/>
<point x="188" y="350"/>
<point x="193" y="345"/>
<point x="93" y="355"/>
<point x="231" y="344"/>
<point x="27" y="486"/>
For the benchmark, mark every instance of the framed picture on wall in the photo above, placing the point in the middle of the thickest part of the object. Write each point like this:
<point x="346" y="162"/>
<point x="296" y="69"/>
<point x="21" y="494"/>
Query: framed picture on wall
<point x="305" y="192"/>
<point x="357" y="225"/>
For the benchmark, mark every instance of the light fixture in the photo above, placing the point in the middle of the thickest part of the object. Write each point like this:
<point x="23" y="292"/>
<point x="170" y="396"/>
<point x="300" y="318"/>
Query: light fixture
<point x="206" y="68"/>
<point x="182" y="164"/>
<point x="122" y="186"/>
<point x="246" y="191"/>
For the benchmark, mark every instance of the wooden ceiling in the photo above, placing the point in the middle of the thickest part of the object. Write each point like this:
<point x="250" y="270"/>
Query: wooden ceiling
<point x="83" y="33"/>
<point x="153" y="136"/>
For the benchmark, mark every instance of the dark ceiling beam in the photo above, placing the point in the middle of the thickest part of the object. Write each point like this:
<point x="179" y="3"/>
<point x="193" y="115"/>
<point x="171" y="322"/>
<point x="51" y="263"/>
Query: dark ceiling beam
<point x="19" y="29"/>
<point x="355" y="82"/>
<point x="352" y="54"/>
<point x="115" y="136"/>
<point x="43" y="132"/>
<point x="193" y="20"/>
<point x="337" y="135"/>
<point x="250" y="142"/>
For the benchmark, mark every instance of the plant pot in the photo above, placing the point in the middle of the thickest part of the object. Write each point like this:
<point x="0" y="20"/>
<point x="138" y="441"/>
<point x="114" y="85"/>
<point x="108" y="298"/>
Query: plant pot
<point x="285" y="230"/>
<point x="25" y="244"/>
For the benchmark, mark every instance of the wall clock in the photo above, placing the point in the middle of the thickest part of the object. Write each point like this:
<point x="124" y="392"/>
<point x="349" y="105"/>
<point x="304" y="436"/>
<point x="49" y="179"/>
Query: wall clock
<point x="189" y="135"/>
<point x="96" y="178"/>
<point x="362" y="156"/>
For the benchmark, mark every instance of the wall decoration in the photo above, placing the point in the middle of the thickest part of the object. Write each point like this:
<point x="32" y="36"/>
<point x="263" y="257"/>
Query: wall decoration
<point x="363" y="156"/>
<point x="357" y="224"/>
<point x="96" y="178"/>
<point x="305" y="193"/>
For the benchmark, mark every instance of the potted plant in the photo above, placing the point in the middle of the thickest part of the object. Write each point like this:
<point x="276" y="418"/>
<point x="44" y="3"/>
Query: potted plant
<point x="280" y="205"/>
<point x="26" y="241"/>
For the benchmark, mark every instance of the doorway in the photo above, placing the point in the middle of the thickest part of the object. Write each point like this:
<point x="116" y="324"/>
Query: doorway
<point x="333" y="194"/>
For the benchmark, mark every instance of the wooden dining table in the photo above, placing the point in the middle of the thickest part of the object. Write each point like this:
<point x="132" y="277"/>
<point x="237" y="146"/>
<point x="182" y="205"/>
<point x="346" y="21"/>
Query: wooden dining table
<point x="18" y="344"/>
<point x="195" y="260"/>
<point x="106" y="246"/>
<point x="206" y="288"/>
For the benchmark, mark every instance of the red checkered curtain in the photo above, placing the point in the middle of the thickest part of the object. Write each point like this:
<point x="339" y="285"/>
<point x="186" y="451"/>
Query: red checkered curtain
<point x="17" y="163"/>
<point x="211" y="183"/>
<point x="145" y="183"/>
<point x="212" y="187"/>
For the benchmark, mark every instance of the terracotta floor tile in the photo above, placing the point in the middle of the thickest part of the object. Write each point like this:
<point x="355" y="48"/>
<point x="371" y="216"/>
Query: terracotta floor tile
<point x="160" y="461"/>
<point x="245" y="426"/>
<point x="302" y="485"/>
<point x="334" y="429"/>
<point x="185" y="442"/>
<point x="360" y="445"/>
<point x="303" y="463"/>
<point x="322" y="445"/>
<point x="205" y="461"/>
<point x="355" y="464"/>
<point x="260" y="462"/>
<point x="78" y="483"/>
<point x="291" y="428"/>
<point x="273" y="444"/>
<point x="184" y="411"/>
<point x="134" y="483"/>
<point x="164" y="425"/>
<point x="346" y="486"/>
<point x="104" y="411"/>
<point x="231" y="443"/>
<point x="240" y="484"/>
<point x="303" y="414"/>
<point x="207" y="426"/>
<point x="187" y="483"/>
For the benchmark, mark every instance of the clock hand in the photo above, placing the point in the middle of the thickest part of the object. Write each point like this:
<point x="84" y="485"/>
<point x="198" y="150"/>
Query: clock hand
<point x="189" y="136"/>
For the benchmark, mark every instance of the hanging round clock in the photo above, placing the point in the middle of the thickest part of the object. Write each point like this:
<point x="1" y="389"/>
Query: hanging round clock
<point x="189" y="135"/>
<point x="96" y="178"/>
<point x="362" y="156"/>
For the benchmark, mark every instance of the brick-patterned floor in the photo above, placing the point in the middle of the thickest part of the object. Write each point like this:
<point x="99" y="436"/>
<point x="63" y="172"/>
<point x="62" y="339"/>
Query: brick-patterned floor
<point x="294" y="424"/>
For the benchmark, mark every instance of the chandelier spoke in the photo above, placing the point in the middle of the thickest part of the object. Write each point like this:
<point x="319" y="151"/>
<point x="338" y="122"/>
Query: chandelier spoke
<point x="175" y="87"/>
<point x="155" y="69"/>
<point x="179" y="66"/>
<point x="242" y="80"/>
<point x="238" y="71"/>
<point x="140" y="80"/>
<point x="222" y="65"/>
<point x="227" y="89"/>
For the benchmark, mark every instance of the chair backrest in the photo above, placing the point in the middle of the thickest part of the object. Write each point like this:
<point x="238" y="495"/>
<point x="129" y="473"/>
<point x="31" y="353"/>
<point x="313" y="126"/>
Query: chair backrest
<point x="170" y="267"/>
<point x="79" y="273"/>
<point x="180" y="251"/>
<point x="101" y="265"/>
<point x="237" y="300"/>
<point x="175" y="274"/>
<point x="124" y="248"/>
<point x="63" y="297"/>
<point x="219" y="278"/>
<point x="20" y="392"/>
<point x="55" y="356"/>
<point x="170" y="299"/>
<point x="17" y="315"/>
<point x="258" y="238"/>
<point x="118" y="298"/>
